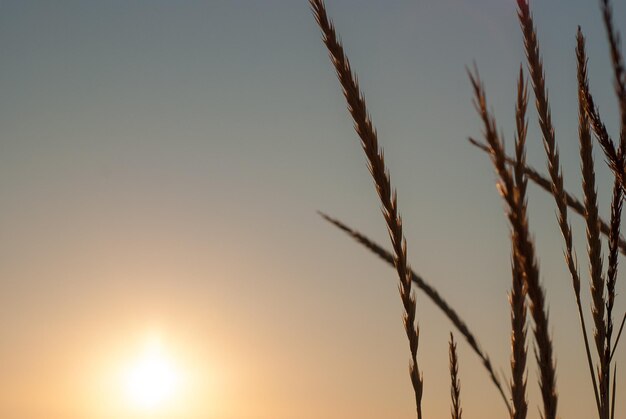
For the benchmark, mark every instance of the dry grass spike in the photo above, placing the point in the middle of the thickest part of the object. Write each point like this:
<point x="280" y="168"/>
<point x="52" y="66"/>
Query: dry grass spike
<point x="388" y="198"/>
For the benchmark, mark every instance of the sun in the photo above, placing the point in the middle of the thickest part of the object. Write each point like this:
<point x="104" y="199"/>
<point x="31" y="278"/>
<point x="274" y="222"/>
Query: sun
<point x="153" y="380"/>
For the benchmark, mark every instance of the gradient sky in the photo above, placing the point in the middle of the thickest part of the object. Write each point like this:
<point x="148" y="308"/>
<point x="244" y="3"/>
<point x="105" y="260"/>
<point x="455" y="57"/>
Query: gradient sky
<point x="160" y="168"/>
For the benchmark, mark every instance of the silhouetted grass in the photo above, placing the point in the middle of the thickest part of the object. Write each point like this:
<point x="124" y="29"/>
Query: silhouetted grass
<point x="527" y="295"/>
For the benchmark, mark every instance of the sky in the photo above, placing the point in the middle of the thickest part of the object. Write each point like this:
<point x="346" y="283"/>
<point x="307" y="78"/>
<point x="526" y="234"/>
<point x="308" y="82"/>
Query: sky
<point x="161" y="165"/>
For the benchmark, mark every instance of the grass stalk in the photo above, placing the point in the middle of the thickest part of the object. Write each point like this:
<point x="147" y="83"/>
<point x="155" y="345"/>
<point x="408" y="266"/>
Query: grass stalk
<point x="524" y="249"/>
<point x="592" y="220"/>
<point x="434" y="296"/>
<point x="544" y="183"/>
<point x="455" y="383"/>
<point x="382" y="181"/>
<point x="618" y="66"/>
<point x="616" y="218"/>
<point x="517" y="297"/>
<point x="527" y="293"/>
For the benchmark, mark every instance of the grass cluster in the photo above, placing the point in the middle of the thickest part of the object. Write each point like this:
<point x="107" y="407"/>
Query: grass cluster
<point x="527" y="296"/>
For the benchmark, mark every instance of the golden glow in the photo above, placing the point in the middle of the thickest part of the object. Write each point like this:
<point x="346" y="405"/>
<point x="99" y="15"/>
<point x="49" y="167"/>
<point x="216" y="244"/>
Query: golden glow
<point x="153" y="381"/>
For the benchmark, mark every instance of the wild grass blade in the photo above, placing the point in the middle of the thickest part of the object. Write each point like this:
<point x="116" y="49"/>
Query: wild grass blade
<point x="434" y="296"/>
<point x="618" y="66"/>
<point x="537" y="76"/>
<point x="517" y="298"/>
<point x="455" y="387"/>
<point x="544" y="183"/>
<point x="619" y="335"/>
<point x="380" y="174"/>
<point x="616" y="219"/>
<point x="524" y="249"/>
<point x="614" y="157"/>
<point x="592" y="220"/>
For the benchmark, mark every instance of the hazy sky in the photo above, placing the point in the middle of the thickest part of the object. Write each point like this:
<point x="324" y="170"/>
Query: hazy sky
<point x="161" y="163"/>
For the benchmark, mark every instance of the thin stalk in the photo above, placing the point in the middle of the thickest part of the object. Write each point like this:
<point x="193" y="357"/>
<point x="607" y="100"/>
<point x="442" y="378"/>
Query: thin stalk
<point x="619" y="335"/>
<point x="544" y="183"/>
<point x="517" y="297"/>
<point x="592" y="220"/>
<point x="382" y="181"/>
<point x="524" y="250"/>
<point x="434" y="296"/>
<point x="455" y="387"/>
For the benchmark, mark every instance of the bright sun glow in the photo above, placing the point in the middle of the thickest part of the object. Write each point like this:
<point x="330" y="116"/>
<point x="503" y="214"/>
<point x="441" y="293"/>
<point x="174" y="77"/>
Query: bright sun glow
<point x="153" y="380"/>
